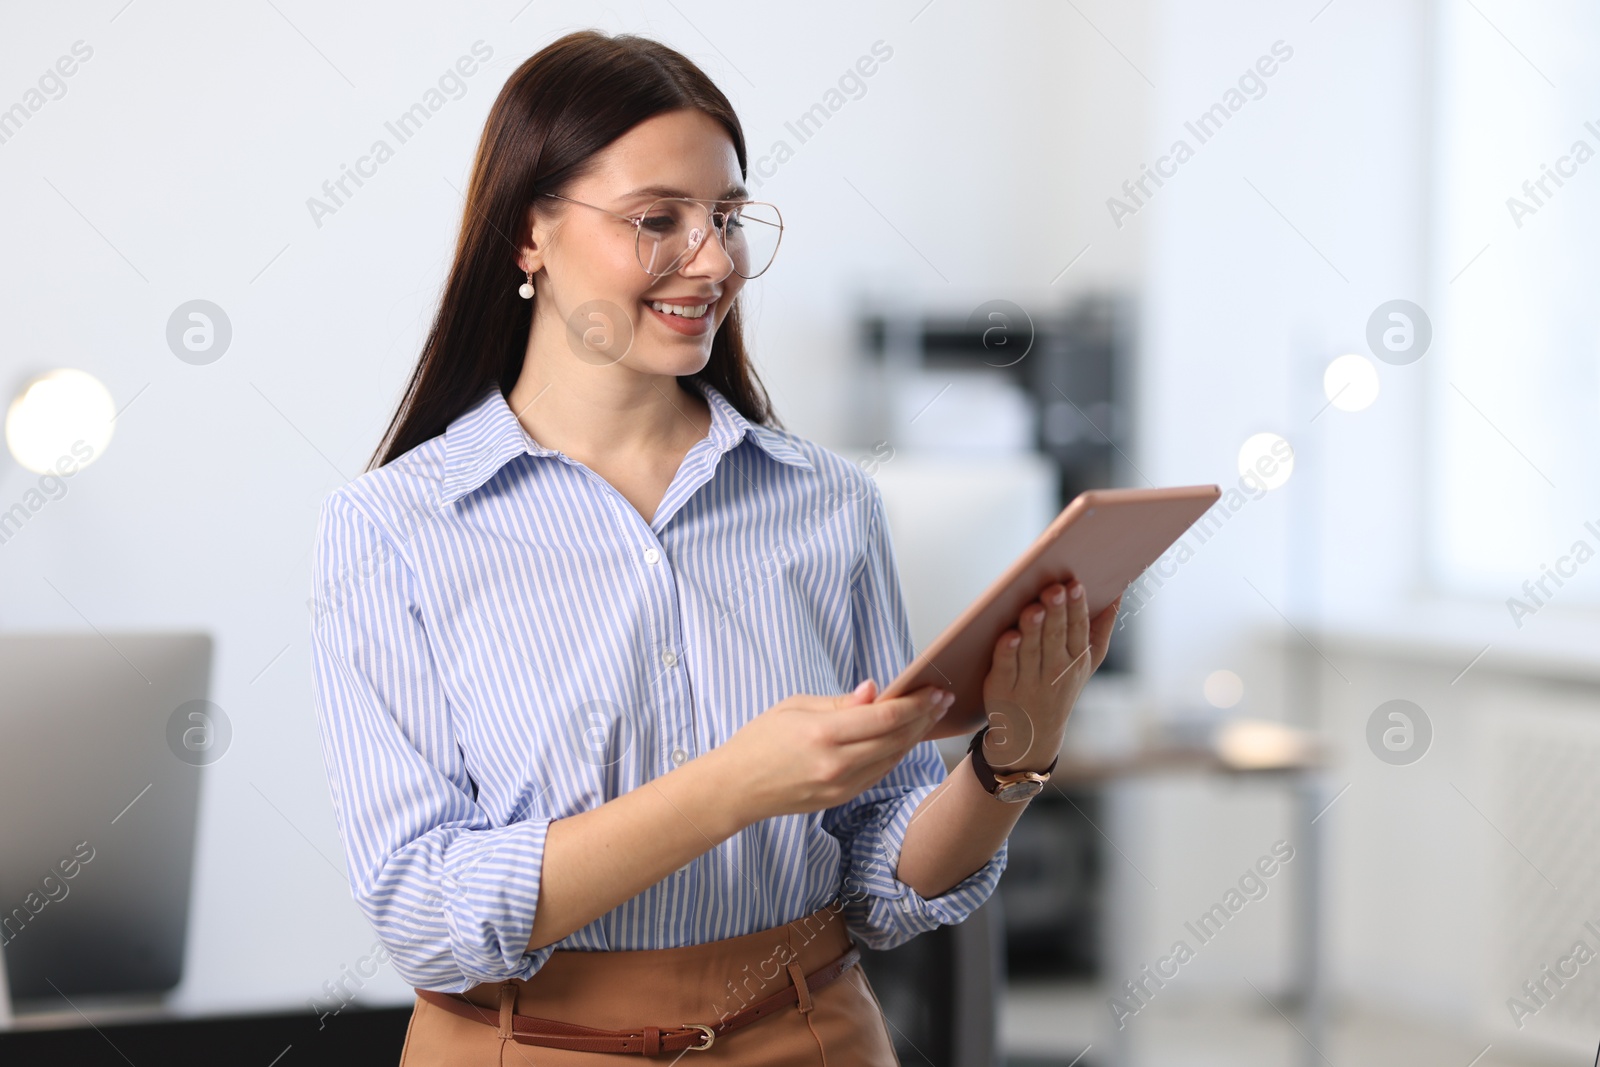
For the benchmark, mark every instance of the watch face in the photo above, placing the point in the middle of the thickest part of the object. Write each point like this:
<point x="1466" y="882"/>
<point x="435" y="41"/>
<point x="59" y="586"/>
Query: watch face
<point x="1015" y="791"/>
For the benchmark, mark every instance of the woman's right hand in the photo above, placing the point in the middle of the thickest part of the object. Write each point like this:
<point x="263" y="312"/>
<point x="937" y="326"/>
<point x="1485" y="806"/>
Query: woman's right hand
<point x="809" y="752"/>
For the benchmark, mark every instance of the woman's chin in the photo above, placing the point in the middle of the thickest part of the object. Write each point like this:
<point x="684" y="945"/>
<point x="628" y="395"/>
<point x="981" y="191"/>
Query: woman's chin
<point x="678" y="361"/>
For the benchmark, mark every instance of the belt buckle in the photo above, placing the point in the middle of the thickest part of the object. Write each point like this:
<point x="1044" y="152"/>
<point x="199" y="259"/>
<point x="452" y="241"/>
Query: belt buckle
<point x="711" y="1035"/>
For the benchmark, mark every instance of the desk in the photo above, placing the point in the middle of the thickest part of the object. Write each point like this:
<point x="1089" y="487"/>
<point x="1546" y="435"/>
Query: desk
<point x="355" y="1037"/>
<point x="1250" y="749"/>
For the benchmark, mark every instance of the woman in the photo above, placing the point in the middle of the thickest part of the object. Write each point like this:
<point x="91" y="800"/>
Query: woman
<point x="589" y="630"/>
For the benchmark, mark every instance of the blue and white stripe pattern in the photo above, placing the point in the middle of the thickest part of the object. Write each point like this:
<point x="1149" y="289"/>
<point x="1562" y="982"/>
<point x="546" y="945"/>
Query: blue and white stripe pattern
<point x="501" y="640"/>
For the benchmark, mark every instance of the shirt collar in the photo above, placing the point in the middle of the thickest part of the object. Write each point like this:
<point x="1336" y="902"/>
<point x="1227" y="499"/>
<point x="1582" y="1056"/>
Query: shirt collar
<point x="487" y="436"/>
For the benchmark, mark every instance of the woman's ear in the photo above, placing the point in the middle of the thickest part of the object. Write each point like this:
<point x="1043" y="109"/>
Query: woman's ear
<point x="528" y="258"/>
<point x="530" y="255"/>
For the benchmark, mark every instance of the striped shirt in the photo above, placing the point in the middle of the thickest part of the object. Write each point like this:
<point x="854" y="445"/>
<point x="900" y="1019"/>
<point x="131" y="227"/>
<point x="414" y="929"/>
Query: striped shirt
<point x="501" y="640"/>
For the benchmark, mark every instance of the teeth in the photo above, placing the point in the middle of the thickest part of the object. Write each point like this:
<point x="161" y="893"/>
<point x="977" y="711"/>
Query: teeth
<point x="691" y="311"/>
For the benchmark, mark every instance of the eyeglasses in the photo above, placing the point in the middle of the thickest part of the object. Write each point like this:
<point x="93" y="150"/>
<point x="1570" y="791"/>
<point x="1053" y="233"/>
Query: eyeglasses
<point x="667" y="233"/>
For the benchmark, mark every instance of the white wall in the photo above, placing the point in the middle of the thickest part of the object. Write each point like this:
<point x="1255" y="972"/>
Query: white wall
<point x="178" y="165"/>
<point x="1241" y="314"/>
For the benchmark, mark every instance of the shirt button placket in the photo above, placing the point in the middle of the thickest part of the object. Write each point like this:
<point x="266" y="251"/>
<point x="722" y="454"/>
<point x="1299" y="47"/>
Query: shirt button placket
<point x="669" y="659"/>
<point x="679" y="757"/>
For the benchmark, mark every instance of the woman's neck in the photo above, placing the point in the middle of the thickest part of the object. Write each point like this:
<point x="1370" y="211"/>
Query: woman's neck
<point x="605" y="415"/>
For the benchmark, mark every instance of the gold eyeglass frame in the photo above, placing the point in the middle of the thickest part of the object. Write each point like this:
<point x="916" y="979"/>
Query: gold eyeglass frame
<point x="719" y="221"/>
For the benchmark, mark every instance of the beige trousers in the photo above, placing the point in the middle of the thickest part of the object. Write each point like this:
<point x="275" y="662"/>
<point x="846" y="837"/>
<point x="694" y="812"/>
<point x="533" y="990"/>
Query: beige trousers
<point x="670" y="987"/>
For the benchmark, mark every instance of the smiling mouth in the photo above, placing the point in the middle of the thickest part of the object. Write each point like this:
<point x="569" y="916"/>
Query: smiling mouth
<point x="684" y="311"/>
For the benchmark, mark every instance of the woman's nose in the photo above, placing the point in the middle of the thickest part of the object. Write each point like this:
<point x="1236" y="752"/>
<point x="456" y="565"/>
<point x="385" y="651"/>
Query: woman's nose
<point x="715" y="263"/>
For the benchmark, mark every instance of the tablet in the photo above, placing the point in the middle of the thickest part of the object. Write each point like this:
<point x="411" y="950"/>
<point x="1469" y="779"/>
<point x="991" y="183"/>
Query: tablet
<point x="1105" y="538"/>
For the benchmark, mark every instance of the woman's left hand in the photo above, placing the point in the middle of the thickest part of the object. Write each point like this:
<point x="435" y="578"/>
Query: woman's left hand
<point x="1039" y="668"/>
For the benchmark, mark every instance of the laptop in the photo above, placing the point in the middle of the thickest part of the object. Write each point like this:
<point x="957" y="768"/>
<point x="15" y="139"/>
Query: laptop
<point x="103" y="739"/>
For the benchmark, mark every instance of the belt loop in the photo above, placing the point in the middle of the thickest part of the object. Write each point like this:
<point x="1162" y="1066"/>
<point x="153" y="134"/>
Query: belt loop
<point x="798" y="974"/>
<point x="508" y="998"/>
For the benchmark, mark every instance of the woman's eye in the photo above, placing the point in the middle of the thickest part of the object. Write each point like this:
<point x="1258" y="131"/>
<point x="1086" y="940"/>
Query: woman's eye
<point x="658" y="223"/>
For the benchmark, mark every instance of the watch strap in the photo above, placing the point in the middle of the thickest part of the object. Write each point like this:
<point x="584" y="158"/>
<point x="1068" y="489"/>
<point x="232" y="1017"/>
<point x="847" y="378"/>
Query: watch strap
<point x="986" y="774"/>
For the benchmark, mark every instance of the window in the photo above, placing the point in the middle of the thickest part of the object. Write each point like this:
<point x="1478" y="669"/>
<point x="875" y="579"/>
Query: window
<point x="1514" y="386"/>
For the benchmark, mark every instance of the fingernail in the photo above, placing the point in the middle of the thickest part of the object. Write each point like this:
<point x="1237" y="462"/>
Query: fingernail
<point x="1077" y="591"/>
<point x="862" y="688"/>
<point x="1058" y="597"/>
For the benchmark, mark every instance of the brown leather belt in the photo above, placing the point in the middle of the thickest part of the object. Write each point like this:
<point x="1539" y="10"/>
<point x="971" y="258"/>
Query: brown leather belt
<point x="646" y="1040"/>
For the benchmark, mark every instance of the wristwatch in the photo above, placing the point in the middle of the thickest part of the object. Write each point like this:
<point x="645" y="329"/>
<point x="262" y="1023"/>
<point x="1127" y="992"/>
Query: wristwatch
<point x="1012" y="787"/>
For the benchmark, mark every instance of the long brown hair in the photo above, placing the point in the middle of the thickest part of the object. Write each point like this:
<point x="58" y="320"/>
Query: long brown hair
<point x="564" y="104"/>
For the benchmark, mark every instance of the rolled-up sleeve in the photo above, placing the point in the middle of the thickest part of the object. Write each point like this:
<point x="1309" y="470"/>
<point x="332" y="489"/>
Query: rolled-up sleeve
<point x="450" y="895"/>
<point x="879" y="908"/>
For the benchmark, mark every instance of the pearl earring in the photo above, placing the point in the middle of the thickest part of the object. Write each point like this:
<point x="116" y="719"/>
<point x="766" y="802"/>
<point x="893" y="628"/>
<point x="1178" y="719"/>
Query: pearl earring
<point x="525" y="290"/>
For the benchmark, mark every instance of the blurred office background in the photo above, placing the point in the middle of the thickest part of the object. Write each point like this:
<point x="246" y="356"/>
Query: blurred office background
<point x="1042" y="247"/>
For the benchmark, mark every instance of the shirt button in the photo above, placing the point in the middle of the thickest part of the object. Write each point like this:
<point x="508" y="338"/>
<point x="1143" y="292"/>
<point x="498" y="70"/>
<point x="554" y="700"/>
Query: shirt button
<point x="668" y="656"/>
<point x="679" y="755"/>
<point x="651" y="556"/>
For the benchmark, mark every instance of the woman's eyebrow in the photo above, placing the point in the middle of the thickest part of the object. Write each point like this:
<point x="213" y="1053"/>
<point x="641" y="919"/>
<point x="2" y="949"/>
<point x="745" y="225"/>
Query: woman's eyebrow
<point x="732" y="192"/>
